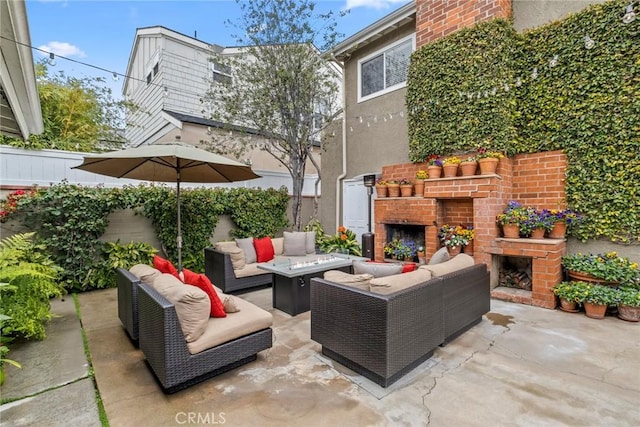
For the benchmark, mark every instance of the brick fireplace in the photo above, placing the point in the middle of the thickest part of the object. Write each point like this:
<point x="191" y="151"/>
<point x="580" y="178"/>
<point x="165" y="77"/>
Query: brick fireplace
<point x="533" y="179"/>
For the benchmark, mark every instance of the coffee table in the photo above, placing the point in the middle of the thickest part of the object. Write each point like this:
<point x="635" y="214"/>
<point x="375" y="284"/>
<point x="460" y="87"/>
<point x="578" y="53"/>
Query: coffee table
<point x="292" y="279"/>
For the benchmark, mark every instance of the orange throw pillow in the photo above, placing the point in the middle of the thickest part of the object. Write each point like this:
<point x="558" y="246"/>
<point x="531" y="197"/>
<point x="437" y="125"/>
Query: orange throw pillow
<point x="201" y="281"/>
<point x="165" y="266"/>
<point x="264" y="249"/>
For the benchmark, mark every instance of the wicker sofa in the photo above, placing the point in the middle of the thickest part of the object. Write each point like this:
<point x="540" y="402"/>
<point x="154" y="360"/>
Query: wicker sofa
<point x="384" y="336"/>
<point x="177" y="360"/>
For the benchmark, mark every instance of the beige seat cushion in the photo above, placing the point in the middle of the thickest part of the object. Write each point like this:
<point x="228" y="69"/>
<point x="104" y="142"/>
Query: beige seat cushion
<point x="192" y="305"/>
<point x="360" y="281"/>
<point x="458" y="262"/>
<point x="249" y="270"/>
<point x="390" y="284"/>
<point x="278" y="245"/>
<point x="145" y="273"/>
<point x="225" y="246"/>
<point x="377" y="269"/>
<point x="251" y="318"/>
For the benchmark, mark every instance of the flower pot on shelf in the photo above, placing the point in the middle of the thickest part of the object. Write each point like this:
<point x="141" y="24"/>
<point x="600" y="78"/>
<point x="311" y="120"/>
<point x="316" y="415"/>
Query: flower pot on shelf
<point x="468" y="249"/>
<point x="419" y="188"/>
<point x="406" y="190"/>
<point x="568" y="306"/>
<point x="511" y="231"/>
<point x="629" y="313"/>
<point x="450" y="171"/>
<point x="488" y="165"/>
<point x="468" y="168"/>
<point x="394" y="190"/>
<point x="558" y="231"/>
<point x="381" y="191"/>
<point x="434" y="171"/>
<point x="538" y="233"/>
<point x="595" y="311"/>
<point x="454" y="250"/>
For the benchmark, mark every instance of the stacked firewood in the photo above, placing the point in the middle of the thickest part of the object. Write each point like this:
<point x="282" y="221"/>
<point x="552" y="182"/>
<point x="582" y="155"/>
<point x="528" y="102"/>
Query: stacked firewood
<point x="512" y="278"/>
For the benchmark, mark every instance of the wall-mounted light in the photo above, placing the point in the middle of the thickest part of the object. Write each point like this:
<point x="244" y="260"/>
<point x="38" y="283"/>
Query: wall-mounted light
<point x="589" y="43"/>
<point x="534" y="74"/>
<point x="52" y="59"/>
<point x="629" y="14"/>
<point x="554" y="61"/>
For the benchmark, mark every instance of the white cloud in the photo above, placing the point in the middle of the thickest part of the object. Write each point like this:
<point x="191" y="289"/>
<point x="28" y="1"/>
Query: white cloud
<point x="375" y="4"/>
<point x="63" y="49"/>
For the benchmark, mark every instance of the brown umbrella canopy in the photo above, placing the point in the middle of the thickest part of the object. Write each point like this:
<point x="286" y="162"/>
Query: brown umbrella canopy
<point x="168" y="163"/>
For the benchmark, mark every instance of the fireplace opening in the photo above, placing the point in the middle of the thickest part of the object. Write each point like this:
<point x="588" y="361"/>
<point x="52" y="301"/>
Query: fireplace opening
<point x="516" y="273"/>
<point x="409" y="232"/>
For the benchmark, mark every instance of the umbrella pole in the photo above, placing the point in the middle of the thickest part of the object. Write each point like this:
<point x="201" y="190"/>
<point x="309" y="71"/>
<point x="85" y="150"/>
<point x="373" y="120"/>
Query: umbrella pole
<point x="179" y="238"/>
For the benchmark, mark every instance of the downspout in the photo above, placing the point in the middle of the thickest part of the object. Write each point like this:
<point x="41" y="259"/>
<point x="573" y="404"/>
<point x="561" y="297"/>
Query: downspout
<point x="340" y="177"/>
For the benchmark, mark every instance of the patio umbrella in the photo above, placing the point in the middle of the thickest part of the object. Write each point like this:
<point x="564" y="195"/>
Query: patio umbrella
<point x="168" y="162"/>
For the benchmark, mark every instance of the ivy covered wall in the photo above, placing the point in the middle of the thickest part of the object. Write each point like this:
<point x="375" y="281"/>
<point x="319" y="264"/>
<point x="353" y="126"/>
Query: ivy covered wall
<point x="488" y="86"/>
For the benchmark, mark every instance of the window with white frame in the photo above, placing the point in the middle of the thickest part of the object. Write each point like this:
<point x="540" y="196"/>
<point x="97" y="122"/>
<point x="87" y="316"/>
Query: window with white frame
<point x="385" y="70"/>
<point x="220" y="73"/>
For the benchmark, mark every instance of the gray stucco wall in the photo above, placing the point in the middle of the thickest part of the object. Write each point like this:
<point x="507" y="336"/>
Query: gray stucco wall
<point x="529" y="14"/>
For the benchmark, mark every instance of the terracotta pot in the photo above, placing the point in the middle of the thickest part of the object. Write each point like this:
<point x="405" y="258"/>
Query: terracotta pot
<point x="586" y="277"/>
<point x="406" y="190"/>
<point x="538" y="233"/>
<point x="394" y="190"/>
<point x="468" y="249"/>
<point x="595" y="311"/>
<point x="629" y="313"/>
<point x="468" y="168"/>
<point x="434" y="171"/>
<point x="511" y="231"/>
<point x="419" y="188"/>
<point x="454" y="250"/>
<point x="568" y="306"/>
<point x="381" y="191"/>
<point x="558" y="231"/>
<point x="450" y="171"/>
<point x="488" y="165"/>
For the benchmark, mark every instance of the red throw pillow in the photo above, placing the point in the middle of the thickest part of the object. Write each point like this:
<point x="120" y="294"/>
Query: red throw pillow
<point x="264" y="249"/>
<point x="189" y="276"/>
<point x="165" y="266"/>
<point x="410" y="266"/>
<point x="201" y="281"/>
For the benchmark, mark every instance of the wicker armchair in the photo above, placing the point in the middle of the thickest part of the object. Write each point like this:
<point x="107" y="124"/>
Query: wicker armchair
<point x="128" y="302"/>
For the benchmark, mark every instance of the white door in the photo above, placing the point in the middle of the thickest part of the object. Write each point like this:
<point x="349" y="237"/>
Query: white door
<point x="355" y="205"/>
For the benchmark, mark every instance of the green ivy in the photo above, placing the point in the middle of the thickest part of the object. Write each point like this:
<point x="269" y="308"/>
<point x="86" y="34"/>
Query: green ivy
<point x="114" y="255"/>
<point x="587" y="105"/>
<point x="258" y="213"/>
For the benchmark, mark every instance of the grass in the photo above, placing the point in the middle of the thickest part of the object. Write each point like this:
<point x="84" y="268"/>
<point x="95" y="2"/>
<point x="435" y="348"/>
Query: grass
<point x="101" y="412"/>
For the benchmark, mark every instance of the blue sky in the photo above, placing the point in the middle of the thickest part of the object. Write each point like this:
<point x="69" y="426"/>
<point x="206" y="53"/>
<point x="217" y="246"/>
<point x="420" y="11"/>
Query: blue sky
<point x="101" y="33"/>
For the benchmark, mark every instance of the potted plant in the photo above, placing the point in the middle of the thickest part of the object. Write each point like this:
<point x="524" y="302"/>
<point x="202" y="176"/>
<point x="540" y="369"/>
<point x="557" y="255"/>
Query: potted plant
<point x="344" y="241"/>
<point x="570" y="294"/>
<point x="393" y="188"/>
<point x="562" y="219"/>
<point x="597" y="298"/>
<point x="511" y="218"/>
<point x="453" y="237"/>
<point x="488" y="161"/>
<point x="434" y="166"/>
<point x="469" y="234"/>
<point x="468" y="166"/>
<point x="629" y="303"/>
<point x="381" y="188"/>
<point x="450" y="166"/>
<point x="421" y="175"/>
<point x="406" y="187"/>
<point x="400" y="249"/>
<point x="602" y="268"/>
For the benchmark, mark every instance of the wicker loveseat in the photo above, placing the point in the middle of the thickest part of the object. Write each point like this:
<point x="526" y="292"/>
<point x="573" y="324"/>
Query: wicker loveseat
<point x="384" y="336"/>
<point x="176" y="355"/>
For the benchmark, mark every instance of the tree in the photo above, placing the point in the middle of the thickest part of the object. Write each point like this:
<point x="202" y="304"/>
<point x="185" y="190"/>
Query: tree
<point x="279" y="85"/>
<point x="79" y="114"/>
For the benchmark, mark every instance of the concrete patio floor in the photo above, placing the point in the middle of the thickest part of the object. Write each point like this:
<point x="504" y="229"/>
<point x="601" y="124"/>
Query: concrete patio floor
<point x="520" y="366"/>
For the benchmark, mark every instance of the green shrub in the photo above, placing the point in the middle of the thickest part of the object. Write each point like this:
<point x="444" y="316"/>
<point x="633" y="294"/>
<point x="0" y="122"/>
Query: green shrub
<point x="115" y="255"/>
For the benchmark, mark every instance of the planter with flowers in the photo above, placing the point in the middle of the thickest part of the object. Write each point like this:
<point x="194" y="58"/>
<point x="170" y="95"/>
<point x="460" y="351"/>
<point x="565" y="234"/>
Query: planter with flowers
<point x="469" y="166"/>
<point x="562" y="220"/>
<point x="597" y="298"/>
<point x="629" y="304"/>
<point x="469" y="234"/>
<point x="418" y="186"/>
<point x="406" y="188"/>
<point x="488" y="161"/>
<point x="606" y="268"/>
<point x="400" y="249"/>
<point x="450" y="166"/>
<point x="344" y="241"/>
<point x="453" y="237"/>
<point x="381" y="188"/>
<point x="434" y="166"/>
<point x="537" y="223"/>
<point x="393" y="188"/>
<point x="511" y="218"/>
<point x="571" y="295"/>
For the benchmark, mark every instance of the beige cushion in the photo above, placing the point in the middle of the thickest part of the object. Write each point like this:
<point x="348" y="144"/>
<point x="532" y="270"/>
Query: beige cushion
<point x="221" y="330"/>
<point x="238" y="260"/>
<point x="390" y="284"/>
<point x="225" y="246"/>
<point x="360" y="281"/>
<point x="278" y="245"/>
<point x="310" y="242"/>
<point x="249" y="270"/>
<point x="230" y="305"/>
<point x="246" y="245"/>
<point x="441" y="255"/>
<point x="377" y="269"/>
<point x="192" y="305"/>
<point x="458" y="262"/>
<point x="144" y="272"/>
<point x="295" y="243"/>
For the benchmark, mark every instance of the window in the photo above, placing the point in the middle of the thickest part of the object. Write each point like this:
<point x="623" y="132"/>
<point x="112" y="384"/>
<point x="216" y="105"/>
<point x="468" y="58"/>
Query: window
<point x="155" y="69"/>
<point x="384" y="71"/>
<point x="220" y="73"/>
<point x="148" y="78"/>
